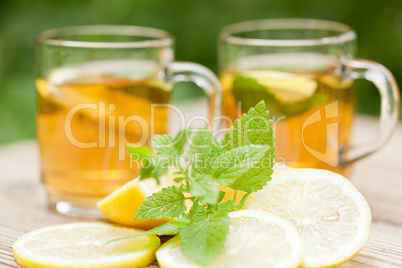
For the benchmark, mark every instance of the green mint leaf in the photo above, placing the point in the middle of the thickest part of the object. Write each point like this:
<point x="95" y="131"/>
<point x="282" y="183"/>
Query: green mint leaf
<point x="185" y="188"/>
<point x="183" y="219"/>
<point x="138" y="152"/>
<point x="198" y="212"/>
<point x="221" y="196"/>
<point x="201" y="213"/>
<point x="205" y="188"/>
<point x="164" y="144"/>
<point x="178" y="179"/>
<point x="180" y="140"/>
<point x="203" y="149"/>
<point x="255" y="127"/>
<point x="192" y="210"/>
<point x="225" y="207"/>
<point x="243" y="201"/>
<point x="154" y="166"/>
<point x="256" y="178"/>
<point x="169" y="228"/>
<point x="233" y="164"/>
<point x="167" y="203"/>
<point x="169" y="146"/>
<point x="202" y="241"/>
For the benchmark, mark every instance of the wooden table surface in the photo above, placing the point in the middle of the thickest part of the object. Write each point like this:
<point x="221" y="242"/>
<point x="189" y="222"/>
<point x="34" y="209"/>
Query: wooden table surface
<point x="378" y="178"/>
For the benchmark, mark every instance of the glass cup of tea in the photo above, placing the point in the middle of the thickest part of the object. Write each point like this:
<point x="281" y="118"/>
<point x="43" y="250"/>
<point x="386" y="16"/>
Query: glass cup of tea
<point x="98" y="89"/>
<point x="304" y="70"/>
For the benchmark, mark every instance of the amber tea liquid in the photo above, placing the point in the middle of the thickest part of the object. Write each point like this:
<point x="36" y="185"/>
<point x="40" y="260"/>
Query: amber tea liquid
<point x="312" y="112"/>
<point x="86" y="115"/>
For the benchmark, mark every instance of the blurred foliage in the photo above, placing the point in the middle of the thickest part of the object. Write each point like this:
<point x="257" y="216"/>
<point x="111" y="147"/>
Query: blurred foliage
<point x="194" y="23"/>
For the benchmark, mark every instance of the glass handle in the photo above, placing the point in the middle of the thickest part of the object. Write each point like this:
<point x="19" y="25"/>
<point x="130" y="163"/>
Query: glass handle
<point x="386" y="84"/>
<point x="205" y="79"/>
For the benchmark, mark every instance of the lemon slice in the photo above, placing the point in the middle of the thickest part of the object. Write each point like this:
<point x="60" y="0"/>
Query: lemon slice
<point x="287" y="87"/>
<point x="84" y="245"/>
<point x="331" y="215"/>
<point x="256" y="239"/>
<point x="122" y="205"/>
<point x="336" y="82"/>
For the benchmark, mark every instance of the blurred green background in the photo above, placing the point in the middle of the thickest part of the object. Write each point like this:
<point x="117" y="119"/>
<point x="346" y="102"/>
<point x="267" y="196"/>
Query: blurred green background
<point x="194" y="23"/>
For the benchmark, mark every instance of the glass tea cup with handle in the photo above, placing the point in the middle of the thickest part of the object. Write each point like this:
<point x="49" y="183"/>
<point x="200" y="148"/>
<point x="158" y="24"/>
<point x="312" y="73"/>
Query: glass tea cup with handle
<point x="98" y="89"/>
<point x="304" y="69"/>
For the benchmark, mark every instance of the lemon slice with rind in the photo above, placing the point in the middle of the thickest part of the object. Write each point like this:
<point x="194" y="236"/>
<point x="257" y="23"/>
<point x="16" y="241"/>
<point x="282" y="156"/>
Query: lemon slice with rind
<point x="285" y="94"/>
<point x="84" y="245"/>
<point x="287" y="87"/>
<point x="122" y="205"/>
<point x="331" y="215"/>
<point x="256" y="239"/>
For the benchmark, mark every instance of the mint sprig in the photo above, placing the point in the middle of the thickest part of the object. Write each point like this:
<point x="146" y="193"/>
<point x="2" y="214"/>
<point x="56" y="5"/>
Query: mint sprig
<point x="167" y="203"/>
<point x="203" y="240"/>
<point x="242" y="161"/>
